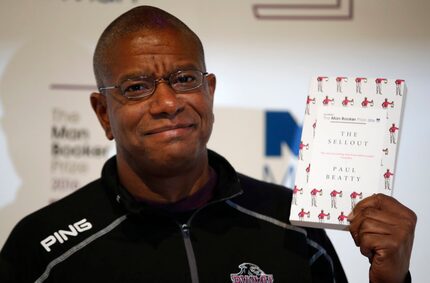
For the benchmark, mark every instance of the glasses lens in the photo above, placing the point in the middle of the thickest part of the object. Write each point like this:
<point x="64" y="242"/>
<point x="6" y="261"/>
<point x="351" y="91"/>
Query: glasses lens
<point x="186" y="80"/>
<point x="138" y="87"/>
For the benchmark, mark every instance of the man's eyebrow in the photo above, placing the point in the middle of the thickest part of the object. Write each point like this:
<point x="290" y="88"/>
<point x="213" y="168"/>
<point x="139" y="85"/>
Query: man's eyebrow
<point x="188" y="66"/>
<point x="132" y="75"/>
<point x="136" y="74"/>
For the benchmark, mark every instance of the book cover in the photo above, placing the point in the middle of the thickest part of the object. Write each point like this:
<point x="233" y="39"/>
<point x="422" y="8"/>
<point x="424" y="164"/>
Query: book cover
<point x="348" y="147"/>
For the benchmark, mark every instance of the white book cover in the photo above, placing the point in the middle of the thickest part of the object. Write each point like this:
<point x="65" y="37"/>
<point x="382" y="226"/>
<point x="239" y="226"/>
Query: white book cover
<point x="348" y="147"/>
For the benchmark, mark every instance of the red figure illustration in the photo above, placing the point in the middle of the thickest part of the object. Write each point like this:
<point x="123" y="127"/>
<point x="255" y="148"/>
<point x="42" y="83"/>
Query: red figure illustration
<point x="339" y="81"/>
<point x="322" y="215"/>
<point x="302" y="146"/>
<point x="385" y="151"/>
<point x="308" y="102"/>
<point x="378" y="82"/>
<point x="387" y="177"/>
<point x="320" y="83"/>
<point x="399" y="86"/>
<point x="314" y="196"/>
<point x="333" y="196"/>
<point x="295" y="191"/>
<point x="367" y="102"/>
<point x="327" y="100"/>
<point x="314" y="126"/>
<point x="354" y="196"/>
<point x="392" y="131"/>
<point x="358" y="83"/>
<point x="342" y="217"/>
<point x="347" y="101"/>
<point x="308" y="170"/>
<point x="386" y="103"/>
<point x="302" y="214"/>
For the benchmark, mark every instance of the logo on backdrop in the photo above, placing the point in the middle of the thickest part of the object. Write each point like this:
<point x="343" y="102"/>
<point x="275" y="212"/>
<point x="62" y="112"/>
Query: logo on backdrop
<point x="282" y="143"/>
<point x="103" y="1"/>
<point x="304" y="10"/>
<point x="250" y="272"/>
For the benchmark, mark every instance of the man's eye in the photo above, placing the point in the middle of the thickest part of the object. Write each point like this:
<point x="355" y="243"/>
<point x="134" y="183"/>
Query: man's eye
<point x="185" y="79"/>
<point x="137" y="88"/>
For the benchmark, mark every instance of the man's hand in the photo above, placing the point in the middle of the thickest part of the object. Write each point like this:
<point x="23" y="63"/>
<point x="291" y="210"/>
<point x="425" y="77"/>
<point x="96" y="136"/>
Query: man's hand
<point x="383" y="228"/>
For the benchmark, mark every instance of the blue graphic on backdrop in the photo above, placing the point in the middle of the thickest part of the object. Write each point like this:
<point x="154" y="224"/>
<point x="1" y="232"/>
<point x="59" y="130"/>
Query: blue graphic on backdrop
<point x="281" y="129"/>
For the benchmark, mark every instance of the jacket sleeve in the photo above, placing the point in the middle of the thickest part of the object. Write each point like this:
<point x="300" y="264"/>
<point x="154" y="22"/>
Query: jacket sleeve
<point x="19" y="259"/>
<point x="11" y="263"/>
<point x="323" y="259"/>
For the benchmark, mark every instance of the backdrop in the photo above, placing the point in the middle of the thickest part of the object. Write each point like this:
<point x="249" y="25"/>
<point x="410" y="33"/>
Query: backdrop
<point x="264" y="53"/>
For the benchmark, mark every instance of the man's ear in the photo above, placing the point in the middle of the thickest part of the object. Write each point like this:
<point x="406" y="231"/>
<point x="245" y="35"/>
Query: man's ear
<point x="211" y="84"/>
<point x="99" y="104"/>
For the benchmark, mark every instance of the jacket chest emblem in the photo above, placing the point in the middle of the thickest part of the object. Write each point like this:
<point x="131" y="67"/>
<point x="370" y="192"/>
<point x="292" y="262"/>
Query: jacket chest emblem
<point x="250" y="273"/>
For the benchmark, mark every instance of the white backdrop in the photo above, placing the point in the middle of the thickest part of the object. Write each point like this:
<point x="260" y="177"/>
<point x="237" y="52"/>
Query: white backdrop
<point x="50" y="143"/>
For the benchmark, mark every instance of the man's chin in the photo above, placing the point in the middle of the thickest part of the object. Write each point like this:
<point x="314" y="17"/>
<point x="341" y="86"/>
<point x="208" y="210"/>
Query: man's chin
<point x="177" y="152"/>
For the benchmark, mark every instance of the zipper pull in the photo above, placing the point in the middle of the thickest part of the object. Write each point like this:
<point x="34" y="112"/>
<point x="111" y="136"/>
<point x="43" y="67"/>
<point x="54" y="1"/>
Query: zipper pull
<point x="185" y="229"/>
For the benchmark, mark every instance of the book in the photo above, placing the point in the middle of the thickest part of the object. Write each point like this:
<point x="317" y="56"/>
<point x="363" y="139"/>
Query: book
<point x="348" y="147"/>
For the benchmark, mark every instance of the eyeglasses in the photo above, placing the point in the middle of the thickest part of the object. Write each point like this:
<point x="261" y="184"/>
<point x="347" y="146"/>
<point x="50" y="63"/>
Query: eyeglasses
<point x="144" y="86"/>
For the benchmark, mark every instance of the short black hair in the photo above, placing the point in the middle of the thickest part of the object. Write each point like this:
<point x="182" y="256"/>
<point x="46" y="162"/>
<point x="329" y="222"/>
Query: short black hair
<point x="135" y="20"/>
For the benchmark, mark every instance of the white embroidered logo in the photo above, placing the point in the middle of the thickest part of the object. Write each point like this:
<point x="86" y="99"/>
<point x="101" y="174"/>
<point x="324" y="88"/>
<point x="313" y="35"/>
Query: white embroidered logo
<point x="251" y="273"/>
<point x="62" y="235"/>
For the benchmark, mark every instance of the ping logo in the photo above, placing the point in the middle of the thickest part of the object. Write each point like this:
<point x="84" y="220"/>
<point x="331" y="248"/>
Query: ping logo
<point x="62" y="235"/>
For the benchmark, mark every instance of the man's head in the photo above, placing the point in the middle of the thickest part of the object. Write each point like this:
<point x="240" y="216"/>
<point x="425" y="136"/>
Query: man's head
<point x="136" y="20"/>
<point x="167" y="130"/>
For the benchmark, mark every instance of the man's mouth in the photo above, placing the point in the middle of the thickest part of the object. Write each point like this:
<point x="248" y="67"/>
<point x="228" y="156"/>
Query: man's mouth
<point x="170" y="129"/>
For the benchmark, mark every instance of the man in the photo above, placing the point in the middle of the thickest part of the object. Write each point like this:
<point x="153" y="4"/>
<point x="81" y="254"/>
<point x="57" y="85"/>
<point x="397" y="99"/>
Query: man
<point x="167" y="209"/>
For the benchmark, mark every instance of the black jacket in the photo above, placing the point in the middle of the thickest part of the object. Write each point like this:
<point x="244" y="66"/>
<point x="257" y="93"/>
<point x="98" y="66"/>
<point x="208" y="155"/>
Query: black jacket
<point x="101" y="234"/>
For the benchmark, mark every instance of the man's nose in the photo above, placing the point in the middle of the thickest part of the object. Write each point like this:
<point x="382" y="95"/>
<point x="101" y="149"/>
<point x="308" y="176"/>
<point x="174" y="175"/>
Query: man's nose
<point x="164" y="100"/>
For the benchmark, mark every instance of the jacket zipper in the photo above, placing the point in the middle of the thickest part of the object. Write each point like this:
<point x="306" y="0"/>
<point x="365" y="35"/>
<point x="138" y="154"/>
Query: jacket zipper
<point x="190" y="253"/>
<point x="185" y="229"/>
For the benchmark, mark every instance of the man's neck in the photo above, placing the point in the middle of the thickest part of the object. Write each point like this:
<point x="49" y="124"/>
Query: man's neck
<point x="163" y="188"/>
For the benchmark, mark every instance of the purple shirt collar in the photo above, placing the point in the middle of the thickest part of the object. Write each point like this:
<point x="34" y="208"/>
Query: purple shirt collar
<point x="198" y="199"/>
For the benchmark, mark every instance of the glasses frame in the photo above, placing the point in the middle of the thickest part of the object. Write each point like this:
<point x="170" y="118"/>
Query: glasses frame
<point x="167" y="79"/>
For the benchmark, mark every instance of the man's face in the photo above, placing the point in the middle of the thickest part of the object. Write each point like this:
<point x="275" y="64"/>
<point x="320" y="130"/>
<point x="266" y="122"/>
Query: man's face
<point x="166" y="129"/>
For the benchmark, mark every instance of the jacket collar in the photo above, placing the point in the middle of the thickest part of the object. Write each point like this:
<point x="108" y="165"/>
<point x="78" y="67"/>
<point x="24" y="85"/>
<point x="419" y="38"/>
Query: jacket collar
<point x="228" y="185"/>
